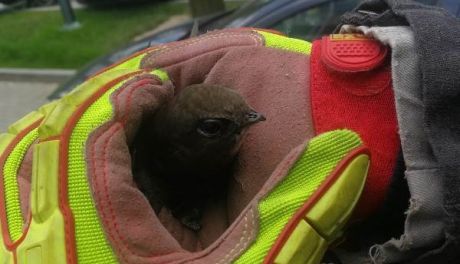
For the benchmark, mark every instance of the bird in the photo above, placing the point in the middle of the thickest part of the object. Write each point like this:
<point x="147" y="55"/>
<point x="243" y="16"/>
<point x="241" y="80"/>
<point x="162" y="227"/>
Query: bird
<point x="183" y="155"/>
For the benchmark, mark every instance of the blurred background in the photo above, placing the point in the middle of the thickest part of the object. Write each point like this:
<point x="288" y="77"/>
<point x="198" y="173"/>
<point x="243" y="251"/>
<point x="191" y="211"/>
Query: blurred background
<point x="47" y="47"/>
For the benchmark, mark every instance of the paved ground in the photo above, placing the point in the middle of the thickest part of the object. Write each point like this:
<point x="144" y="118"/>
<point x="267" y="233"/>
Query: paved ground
<point x="20" y="98"/>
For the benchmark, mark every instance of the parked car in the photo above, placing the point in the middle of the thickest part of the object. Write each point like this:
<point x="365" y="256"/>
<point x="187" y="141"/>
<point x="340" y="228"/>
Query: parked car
<point x="304" y="19"/>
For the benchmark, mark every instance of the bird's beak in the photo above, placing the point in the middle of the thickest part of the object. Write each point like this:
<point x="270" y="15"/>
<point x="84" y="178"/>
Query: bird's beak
<point x="254" y="117"/>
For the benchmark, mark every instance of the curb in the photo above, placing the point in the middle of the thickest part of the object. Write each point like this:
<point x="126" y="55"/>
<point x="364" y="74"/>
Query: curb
<point x="35" y="75"/>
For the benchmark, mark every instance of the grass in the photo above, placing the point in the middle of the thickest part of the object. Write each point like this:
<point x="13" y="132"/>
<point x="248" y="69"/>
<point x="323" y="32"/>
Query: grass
<point x="32" y="39"/>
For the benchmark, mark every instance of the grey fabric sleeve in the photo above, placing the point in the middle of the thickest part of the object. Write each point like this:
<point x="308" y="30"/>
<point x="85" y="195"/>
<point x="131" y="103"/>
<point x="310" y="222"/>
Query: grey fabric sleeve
<point x="424" y="226"/>
<point x="437" y="41"/>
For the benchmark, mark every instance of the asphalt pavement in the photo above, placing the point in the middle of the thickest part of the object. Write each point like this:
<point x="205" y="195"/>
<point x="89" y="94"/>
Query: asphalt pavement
<point x="20" y="98"/>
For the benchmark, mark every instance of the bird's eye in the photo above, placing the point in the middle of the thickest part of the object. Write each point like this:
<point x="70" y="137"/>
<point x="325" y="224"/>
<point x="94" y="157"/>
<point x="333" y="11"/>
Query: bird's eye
<point x="210" y="127"/>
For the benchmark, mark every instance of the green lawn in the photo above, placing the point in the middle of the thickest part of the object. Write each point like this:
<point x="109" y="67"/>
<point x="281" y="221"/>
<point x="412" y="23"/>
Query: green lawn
<point x="36" y="39"/>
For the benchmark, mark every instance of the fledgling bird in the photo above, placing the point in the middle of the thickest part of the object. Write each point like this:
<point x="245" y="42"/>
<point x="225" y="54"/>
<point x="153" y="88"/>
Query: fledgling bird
<point x="184" y="154"/>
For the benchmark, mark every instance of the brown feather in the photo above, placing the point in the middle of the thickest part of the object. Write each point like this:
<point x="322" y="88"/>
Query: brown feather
<point x="176" y="166"/>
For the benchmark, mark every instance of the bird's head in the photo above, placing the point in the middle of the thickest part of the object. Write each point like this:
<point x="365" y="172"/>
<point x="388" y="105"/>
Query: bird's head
<point x="208" y="118"/>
